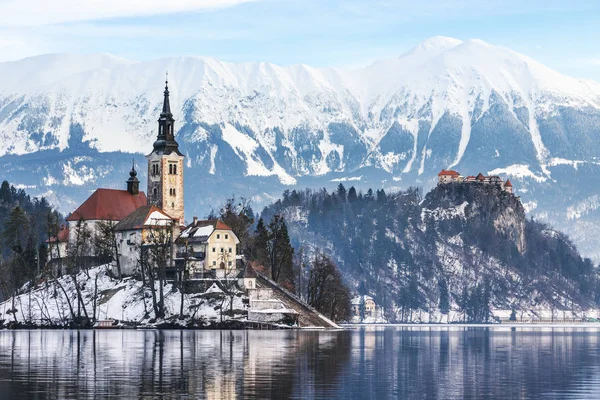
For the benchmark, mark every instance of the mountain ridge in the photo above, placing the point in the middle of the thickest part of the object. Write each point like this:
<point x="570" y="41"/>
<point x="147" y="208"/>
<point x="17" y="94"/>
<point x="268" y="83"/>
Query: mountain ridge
<point x="261" y="127"/>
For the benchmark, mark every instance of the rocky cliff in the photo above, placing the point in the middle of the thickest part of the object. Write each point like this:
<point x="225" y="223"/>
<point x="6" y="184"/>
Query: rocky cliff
<point x="464" y="252"/>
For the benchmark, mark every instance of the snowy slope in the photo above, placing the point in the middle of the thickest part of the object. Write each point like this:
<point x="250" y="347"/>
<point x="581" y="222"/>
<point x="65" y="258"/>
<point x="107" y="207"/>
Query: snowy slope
<point x="117" y="100"/>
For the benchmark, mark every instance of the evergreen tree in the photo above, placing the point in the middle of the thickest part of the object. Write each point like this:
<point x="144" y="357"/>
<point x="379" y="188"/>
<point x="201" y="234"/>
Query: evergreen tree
<point x="16" y="230"/>
<point x="281" y="252"/>
<point x="352" y="197"/>
<point x="260" y="244"/>
<point x="444" y="297"/>
<point x="341" y="193"/>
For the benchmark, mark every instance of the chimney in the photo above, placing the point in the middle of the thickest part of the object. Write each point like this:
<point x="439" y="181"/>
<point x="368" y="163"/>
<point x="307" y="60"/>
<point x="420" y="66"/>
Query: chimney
<point x="195" y="220"/>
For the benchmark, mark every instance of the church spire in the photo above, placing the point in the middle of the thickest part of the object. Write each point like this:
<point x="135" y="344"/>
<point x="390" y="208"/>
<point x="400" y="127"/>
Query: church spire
<point x="166" y="110"/>
<point x="165" y="141"/>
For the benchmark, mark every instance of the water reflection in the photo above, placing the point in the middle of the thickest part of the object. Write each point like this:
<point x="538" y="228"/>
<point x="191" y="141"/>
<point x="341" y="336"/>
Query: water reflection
<point x="431" y="363"/>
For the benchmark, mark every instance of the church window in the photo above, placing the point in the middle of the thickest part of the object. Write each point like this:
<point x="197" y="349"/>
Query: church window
<point x="218" y="236"/>
<point x="226" y="236"/>
<point x="214" y="249"/>
<point x="222" y="250"/>
<point x="230" y="251"/>
<point x="155" y="192"/>
<point x="155" y="169"/>
<point x="173" y="169"/>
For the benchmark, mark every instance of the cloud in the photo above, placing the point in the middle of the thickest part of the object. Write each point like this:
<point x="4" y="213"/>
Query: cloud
<point x="45" y="12"/>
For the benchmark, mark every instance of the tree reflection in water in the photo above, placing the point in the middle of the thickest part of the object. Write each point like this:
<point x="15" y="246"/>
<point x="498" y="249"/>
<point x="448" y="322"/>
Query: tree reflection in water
<point x="432" y="363"/>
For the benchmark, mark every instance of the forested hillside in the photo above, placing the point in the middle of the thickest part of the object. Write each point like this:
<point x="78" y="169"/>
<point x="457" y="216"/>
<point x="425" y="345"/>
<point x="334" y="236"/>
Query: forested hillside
<point x="24" y="228"/>
<point x="463" y="248"/>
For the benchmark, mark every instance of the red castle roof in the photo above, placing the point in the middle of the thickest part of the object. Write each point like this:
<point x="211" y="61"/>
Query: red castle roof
<point x="448" y="173"/>
<point x="508" y="183"/>
<point x="108" y="204"/>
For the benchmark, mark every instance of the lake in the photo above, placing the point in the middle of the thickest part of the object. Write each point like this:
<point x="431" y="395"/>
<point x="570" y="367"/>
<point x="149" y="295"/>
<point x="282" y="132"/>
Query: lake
<point x="367" y="363"/>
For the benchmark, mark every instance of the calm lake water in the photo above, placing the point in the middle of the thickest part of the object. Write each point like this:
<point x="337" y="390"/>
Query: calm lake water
<point x="372" y="363"/>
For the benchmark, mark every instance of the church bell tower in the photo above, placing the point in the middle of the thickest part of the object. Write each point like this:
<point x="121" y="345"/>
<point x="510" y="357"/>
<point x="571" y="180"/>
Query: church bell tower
<point x="165" y="166"/>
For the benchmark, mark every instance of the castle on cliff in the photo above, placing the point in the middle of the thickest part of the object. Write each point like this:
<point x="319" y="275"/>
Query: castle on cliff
<point x="450" y="176"/>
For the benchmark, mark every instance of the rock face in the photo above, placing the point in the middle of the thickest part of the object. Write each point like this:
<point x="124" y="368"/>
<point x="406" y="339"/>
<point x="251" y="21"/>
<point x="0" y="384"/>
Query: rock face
<point x="255" y="128"/>
<point x="464" y="252"/>
<point x="483" y="207"/>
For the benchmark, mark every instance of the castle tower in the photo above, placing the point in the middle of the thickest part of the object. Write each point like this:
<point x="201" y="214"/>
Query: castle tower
<point x="165" y="166"/>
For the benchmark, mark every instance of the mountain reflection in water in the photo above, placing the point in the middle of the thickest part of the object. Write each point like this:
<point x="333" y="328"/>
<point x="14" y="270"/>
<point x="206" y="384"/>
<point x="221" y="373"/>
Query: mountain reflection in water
<point x="377" y="363"/>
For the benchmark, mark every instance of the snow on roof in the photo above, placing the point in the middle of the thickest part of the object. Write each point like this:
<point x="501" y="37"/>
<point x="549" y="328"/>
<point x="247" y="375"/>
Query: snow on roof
<point x="200" y="231"/>
<point x="214" y="288"/>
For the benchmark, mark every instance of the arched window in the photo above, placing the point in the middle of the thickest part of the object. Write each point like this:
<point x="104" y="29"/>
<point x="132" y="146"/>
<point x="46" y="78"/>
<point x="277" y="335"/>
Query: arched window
<point x="175" y="169"/>
<point x="155" y="192"/>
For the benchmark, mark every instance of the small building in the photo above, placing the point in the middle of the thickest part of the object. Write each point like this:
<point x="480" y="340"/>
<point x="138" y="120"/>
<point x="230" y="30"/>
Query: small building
<point x="364" y="306"/>
<point x="208" y="245"/>
<point x="247" y="277"/>
<point x="57" y="245"/>
<point x="508" y="186"/>
<point x="448" y="176"/>
<point x="145" y="227"/>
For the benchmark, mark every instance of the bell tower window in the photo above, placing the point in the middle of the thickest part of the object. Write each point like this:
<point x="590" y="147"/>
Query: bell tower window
<point x="173" y="169"/>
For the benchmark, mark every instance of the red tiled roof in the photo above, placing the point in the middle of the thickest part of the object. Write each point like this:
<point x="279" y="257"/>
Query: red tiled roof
<point x="480" y="177"/>
<point x="508" y="183"/>
<point x="448" y="173"/>
<point x="63" y="235"/>
<point x="108" y="204"/>
<point x="223" y="226"/>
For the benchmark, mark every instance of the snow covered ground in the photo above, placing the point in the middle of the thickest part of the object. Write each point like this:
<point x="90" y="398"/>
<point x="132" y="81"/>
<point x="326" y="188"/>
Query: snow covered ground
<point x="125" y="300"/>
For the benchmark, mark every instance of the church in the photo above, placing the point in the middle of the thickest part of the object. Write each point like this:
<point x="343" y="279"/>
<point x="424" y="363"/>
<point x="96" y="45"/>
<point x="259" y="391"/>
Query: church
<point x="137" y="218"/>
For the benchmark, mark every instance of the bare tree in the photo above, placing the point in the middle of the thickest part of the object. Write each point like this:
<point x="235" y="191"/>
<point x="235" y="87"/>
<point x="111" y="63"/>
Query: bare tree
<point x="155" y="256"/>
<point x="326" y="290"/>
<point x="79" y="251"/>
<point x="105" y="244"/>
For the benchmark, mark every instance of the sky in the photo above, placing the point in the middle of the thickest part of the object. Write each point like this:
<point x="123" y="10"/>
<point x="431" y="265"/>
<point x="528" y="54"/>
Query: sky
<point x="564" y="35"/>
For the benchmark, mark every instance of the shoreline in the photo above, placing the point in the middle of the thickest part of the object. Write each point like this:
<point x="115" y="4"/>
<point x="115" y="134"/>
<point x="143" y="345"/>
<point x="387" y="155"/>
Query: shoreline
<point x="591" y="325"/>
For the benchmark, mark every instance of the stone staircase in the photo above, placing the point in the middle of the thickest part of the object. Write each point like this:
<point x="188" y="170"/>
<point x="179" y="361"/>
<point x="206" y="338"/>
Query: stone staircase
<point x="308" y="317"/>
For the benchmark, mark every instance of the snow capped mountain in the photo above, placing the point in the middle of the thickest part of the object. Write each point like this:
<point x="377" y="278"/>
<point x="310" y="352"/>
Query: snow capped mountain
<point x="468" y="105"/>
